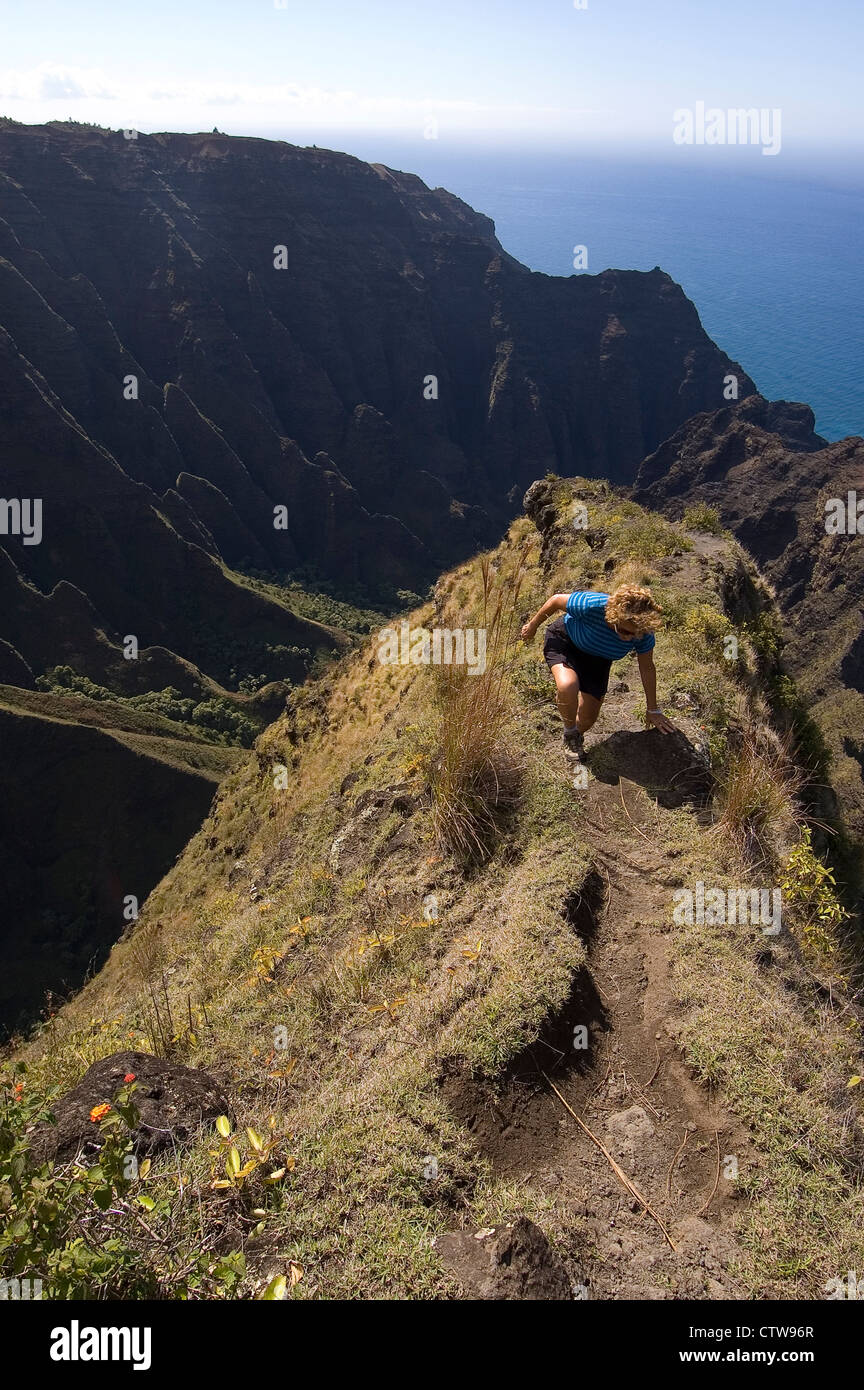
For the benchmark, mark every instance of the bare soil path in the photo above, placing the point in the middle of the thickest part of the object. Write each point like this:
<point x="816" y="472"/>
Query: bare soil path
<point x="624" y="1077"/>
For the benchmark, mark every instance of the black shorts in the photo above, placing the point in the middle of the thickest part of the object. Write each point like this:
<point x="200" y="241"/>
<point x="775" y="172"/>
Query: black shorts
<point x="592" y="671"/>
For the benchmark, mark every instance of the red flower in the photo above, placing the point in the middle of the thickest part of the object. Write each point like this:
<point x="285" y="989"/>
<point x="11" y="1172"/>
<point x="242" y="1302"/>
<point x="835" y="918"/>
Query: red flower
<point x="130" y="1076"/>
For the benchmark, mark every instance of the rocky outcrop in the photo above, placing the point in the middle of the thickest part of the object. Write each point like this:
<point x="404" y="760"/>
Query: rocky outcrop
<point x="171" y="1100"/>
<point x="769" y="476"/>
<point x="506" y="1262"/>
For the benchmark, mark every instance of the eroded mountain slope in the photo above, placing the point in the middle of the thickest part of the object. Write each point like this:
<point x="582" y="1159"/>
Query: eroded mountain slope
<point x="771" y="479"/>
<point x="405" y="1027"/>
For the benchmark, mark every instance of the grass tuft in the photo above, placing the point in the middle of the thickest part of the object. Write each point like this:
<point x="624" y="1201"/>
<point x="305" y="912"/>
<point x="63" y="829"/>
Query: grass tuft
<point x="475" y="770"/>
<point x="756" y="795"/>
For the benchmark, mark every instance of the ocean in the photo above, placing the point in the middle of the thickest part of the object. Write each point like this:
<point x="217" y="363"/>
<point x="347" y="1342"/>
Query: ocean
<point x="772" y="257"/>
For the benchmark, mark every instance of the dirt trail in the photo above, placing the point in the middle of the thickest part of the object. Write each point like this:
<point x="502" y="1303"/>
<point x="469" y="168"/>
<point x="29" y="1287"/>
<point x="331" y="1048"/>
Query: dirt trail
<point x="630" y="1085"/>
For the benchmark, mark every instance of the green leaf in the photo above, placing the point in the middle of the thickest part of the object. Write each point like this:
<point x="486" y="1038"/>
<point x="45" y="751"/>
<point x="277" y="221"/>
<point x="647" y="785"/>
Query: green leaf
<point x="276" y="1289"/>
<point x="223" y="1124"/>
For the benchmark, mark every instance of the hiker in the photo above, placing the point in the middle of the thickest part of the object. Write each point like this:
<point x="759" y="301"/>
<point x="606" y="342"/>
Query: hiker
<point x="594" y="630"/>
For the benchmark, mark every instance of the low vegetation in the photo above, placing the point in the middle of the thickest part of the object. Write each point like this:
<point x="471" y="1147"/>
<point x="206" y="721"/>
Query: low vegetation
<point x="384" y="896"/>
<point x="701" y="517"/>
<point x="474" y="766"/>
<point x="216" y="720"/>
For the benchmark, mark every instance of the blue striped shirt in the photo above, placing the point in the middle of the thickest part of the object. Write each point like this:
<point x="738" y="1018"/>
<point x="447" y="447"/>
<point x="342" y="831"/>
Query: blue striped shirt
<point x="586" y="626"/>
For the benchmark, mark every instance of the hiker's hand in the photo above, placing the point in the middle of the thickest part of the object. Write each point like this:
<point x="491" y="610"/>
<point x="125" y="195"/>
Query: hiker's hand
<point x="656" y="719"/>
<point x="528" y="630"/>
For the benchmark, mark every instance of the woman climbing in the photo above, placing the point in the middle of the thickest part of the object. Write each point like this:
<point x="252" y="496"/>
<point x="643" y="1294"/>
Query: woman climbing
<point x="594" y="630"/>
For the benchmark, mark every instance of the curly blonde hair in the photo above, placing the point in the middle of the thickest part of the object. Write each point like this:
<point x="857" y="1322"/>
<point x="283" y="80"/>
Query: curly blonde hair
<point x="634" y="606"/>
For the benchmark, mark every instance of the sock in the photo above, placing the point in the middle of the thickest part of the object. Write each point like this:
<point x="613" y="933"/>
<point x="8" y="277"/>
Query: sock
<point x="571" y="729"/>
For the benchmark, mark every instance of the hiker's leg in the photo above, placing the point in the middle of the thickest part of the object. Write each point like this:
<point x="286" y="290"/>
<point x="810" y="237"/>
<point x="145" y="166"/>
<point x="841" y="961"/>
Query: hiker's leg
<point x="589" y="708"/>
<point x="567" y="693"/>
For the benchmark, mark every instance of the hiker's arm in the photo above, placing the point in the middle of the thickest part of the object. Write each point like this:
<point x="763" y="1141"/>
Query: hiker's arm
<point x="654" y="717"/>
<point x="556" y="604"/>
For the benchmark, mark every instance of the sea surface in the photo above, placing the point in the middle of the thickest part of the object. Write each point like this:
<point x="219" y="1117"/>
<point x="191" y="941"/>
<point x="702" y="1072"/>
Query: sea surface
<point x="772" y="257"/>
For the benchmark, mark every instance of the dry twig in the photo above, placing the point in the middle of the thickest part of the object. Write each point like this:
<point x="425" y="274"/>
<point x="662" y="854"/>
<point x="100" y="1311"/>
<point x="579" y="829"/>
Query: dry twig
<point x="706" y="1205"/>
<point x="616" y="1167"/>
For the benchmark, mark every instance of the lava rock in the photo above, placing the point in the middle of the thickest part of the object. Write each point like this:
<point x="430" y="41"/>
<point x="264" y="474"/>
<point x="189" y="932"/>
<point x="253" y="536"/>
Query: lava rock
<point x="173" y="1101"/>
<point x="506" y="1262"/>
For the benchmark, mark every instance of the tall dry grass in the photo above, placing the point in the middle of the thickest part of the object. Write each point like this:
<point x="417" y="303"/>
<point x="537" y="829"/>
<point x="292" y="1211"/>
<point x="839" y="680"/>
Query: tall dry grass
<point x="475" y="768"/>
<point x="756" y="796"/>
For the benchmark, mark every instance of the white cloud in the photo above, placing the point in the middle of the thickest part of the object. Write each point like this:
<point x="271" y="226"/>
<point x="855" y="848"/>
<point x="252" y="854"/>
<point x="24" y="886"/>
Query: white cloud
<point x="54" y="82"/>
<point x="44" y="93"/>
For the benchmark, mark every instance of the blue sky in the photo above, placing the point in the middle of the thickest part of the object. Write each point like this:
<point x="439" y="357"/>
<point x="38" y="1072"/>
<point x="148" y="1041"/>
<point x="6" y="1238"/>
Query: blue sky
<point x="502" y="72"/>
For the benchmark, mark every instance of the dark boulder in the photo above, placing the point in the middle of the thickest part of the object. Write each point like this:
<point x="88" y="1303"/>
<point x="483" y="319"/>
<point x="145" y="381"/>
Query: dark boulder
<point x="507" y="1262"/>
<point x="173" y="1101"/>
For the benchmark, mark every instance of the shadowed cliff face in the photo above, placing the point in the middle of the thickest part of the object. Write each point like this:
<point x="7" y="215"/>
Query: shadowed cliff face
<point x="88" y="821"/>
<point x="771" y="478"/>
<point x="300" y="387"/>
<point x="165" y="388"/>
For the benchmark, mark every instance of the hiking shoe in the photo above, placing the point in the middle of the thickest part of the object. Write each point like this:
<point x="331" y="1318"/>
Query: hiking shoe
<point x="574" y="743"/>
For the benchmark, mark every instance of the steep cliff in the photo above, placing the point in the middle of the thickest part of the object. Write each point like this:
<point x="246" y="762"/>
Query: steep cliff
<point x="402" y="1041"/>
<point x="199" y="426"/>
<point x="772" y="481"/>
<point x="303" y="387"/>
<point x="91" y="817"/>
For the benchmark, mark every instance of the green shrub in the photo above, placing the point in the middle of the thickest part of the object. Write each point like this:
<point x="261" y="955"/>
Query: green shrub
<point x="216" y="718"/>
<point x="701" y="517"/>
<point x="766" y="634"/>
<point x="811" y="885"/>
<point x="64" y="680"/>
<point x="709" y="625"/>
<point x="79" y="1227"/>
<point x="643" y="537"/>
<point x="810" y="745"/>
